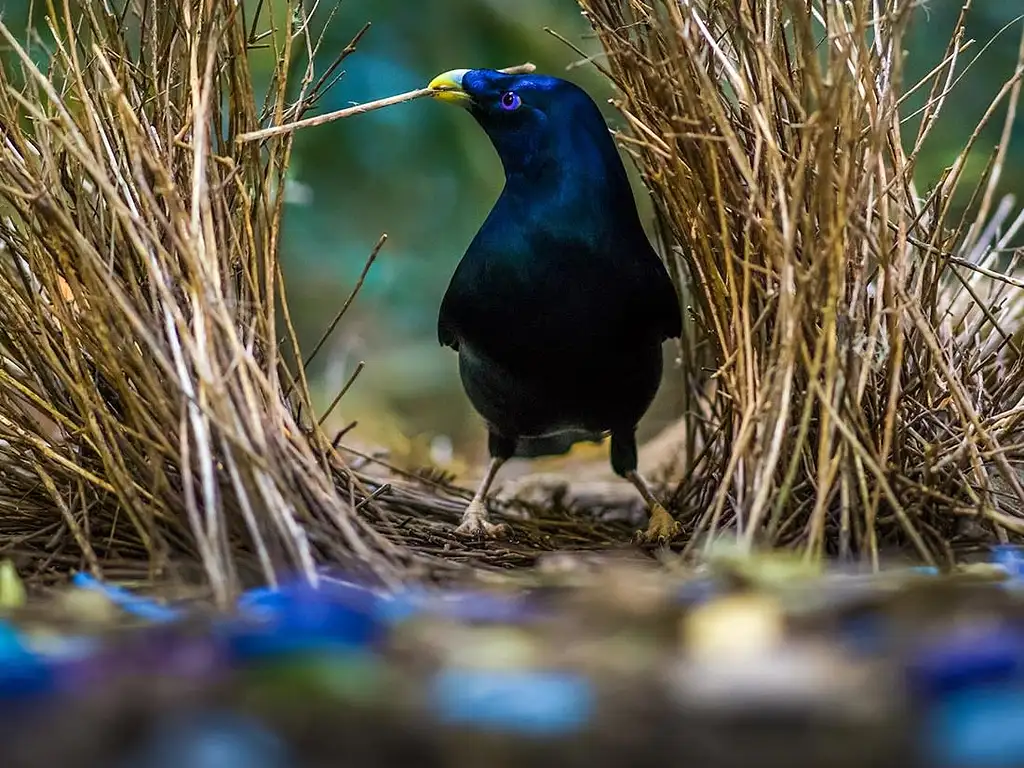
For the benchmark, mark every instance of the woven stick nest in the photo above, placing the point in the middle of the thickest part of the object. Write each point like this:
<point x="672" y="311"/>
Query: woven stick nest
<point x="142" y="410"/>
<point x="863" y="342"/>
<point x="863" y="347"/>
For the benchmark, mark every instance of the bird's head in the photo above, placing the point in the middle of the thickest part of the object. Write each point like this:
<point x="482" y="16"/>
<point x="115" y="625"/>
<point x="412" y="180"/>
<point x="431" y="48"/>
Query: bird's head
<point x="537" y="123"/>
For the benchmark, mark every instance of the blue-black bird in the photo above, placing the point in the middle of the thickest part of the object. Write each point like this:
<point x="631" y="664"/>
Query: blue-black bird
<point x="559" y="307"/>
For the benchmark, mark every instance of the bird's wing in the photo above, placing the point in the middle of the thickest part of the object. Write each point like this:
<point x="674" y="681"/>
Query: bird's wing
<point x="448" y="315"/>
<point x="669" y="317"/>
<point x="514" y="277"/>
<point x="446" y="335"/>
<point x="656" y="296"/>
<point x="461" y="306"/>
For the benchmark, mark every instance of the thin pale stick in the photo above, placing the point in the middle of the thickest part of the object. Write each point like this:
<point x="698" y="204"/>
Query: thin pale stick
<point x="358" y="109"/>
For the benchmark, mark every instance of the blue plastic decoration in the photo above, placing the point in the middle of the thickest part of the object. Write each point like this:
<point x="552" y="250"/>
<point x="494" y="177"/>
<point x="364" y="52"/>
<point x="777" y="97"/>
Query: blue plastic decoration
<point x="22" y="672"/>
<point x="965" y="660"/>
<point x="530" y="703"/>
<point x="1011" y="558"/>
<point x="979" y="728"/>
<point x="211" y="740"/>
<point x="300" y="618"/>
<point x="128" y="601"/>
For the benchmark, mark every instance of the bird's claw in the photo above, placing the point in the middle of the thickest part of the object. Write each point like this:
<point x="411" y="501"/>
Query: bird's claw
<point x="661" y="528"/>
<point x="476" y="525"/>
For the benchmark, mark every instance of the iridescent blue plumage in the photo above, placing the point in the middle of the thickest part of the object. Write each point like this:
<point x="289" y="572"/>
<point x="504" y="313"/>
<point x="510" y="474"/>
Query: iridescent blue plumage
<point x="559" y="307"/>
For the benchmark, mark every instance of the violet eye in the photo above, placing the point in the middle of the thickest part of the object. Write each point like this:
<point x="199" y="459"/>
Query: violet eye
<point x="510" y="101"/>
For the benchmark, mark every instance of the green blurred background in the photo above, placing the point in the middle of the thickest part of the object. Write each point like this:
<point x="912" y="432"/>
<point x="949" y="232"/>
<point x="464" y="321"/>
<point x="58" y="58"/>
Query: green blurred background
<point x="424" y="174"/>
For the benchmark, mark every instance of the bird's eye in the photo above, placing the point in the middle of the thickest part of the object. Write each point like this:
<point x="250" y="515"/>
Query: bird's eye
<point x="510" y="101"/>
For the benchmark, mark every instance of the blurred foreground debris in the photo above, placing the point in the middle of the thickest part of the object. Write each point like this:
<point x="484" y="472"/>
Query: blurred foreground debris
<point x="600" y="662"/>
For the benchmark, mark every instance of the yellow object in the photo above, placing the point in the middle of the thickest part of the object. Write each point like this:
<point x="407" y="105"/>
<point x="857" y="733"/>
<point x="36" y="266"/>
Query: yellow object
<point x="12" y="590"/>
<point x="735" y="627"/>
<point x="89" y="606"/>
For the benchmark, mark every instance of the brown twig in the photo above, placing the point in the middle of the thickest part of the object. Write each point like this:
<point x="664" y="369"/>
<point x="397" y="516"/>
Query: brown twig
<point x="358" y="109"/>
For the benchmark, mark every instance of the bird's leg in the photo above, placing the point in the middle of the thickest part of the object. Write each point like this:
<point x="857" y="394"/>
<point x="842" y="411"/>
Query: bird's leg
<point x="661" y="527"/>
<point x="474" y="519"/>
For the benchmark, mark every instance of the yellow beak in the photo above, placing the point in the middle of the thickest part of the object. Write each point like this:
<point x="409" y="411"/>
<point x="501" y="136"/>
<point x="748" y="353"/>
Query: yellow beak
<point x="448" y="87"/>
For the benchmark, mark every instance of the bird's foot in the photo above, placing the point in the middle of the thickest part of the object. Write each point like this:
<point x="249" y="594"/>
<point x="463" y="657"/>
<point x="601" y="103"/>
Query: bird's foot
<point x="661" y="528"/>
<point x="476" y="525"/>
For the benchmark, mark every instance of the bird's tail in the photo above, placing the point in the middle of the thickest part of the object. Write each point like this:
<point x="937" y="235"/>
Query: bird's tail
<point x="554" y="445"/>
